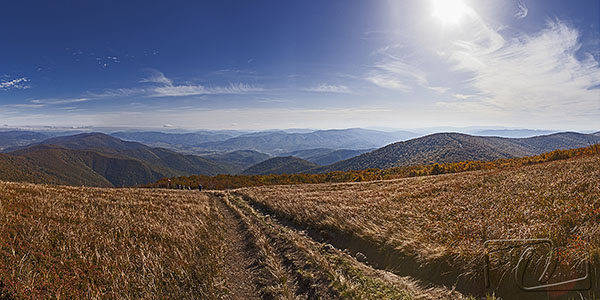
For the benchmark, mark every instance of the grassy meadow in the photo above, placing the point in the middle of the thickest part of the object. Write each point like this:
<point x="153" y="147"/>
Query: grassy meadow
<point x="293" y="241"/>
<point x="446" y="219"/>
<point x="89" y="243"/>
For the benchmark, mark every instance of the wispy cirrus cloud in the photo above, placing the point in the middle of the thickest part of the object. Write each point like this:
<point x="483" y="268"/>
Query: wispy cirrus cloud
<point x="397" y="74"/>
<point x="167" y="88"/>
<point x="328" y="88"/>
<point x="156" y="76"/>
<point x="439" y="89"/>
<point x="42" y="103"/>
<point x="194" y="90"/>
<point x="17" y="83"/>
<point x="388" y="81"/>
<point x="161" y="86"/>
<point x="56" y="101"/>
<point x="24" y="105"/>
<point x="462" y="96"/>
<point x="522" y="10"/>
<point x="540" y="75"/>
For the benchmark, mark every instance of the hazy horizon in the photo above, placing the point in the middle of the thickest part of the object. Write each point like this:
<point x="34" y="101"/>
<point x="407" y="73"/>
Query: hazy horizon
<point x="175" y="130"/>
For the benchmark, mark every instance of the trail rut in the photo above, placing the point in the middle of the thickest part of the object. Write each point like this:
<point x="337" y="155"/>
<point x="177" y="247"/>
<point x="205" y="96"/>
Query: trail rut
<point x="239" y="264"/>
<point x="266" y="259"/>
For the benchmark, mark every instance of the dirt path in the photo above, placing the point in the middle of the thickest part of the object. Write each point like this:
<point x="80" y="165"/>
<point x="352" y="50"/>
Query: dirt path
<point x="269" y="263"/>
<point x="269" y="260"/>
<point x="240" y="278"/>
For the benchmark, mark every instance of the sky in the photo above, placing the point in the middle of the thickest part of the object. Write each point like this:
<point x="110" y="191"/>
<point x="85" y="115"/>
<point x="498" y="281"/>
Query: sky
<point x="254" y="65"/>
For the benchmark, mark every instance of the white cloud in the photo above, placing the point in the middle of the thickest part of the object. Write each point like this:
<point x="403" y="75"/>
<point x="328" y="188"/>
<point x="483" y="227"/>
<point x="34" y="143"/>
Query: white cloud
<point x="273" y="100"/>
<point x="462" y="96"/>
<point x="192" y="90"/>
<point x="60" y="101"/>
<point x="531" y="75"/>
<point x="395" y="73"/>
<point x="115" y="93"/>
<point x="165" y="88"/>
<point x="326" y="88"/>
<point x="168" y="89"/>
<point x="439" y="89"/>
<point x="25" y="105"/>
<point x="386" y="49"/>
<point x="157" y="77"/>
<point x="41" y="103"/>
<point x="18" y="83"/>
<point x="522" y="12"/>
<point x="388" y="81"/>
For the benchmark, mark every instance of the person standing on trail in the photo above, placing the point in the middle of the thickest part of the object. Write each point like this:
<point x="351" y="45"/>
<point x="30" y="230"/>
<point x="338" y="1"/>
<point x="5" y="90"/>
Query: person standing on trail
<point x="199" y="187"/>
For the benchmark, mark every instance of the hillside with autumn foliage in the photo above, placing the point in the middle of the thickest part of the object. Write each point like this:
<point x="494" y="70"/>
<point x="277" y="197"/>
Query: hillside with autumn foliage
<point x="236" y="181"/>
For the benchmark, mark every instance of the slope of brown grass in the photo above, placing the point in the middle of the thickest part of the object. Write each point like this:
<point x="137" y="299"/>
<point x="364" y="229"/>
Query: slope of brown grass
<point x="93" y="243"/>
<point x="87" y="243"/>
<point x="448" y="217"/>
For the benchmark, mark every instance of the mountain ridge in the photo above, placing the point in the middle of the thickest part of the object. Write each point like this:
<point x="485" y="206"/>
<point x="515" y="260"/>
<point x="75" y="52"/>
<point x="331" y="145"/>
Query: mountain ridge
<point x="102" y="160"/>
<point x="98" y="159"/>
<point x="239" y="160"/>
<point x="280" y="165"/>
<point x="454" y="147"/>
<point x="325" y="156"/>
<point x="17" y="138"/>
<point x="100" y="142"/>
<point x="279" y="142"/>
<point x="513" y="133"/>
<point x="87" y="167"/>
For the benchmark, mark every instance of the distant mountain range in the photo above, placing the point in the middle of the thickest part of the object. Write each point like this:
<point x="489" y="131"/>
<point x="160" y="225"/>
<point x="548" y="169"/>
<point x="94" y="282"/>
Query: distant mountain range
<point x="323" y="156"/>
<point x="280" y="142"/>
<point x="176" y="140"/>
<point x="9" y="139"/>
<point x="280" y="165"/>
<point x="98" y="159"/>
<point x="454" y="147"/>
<point x="513" y="133"/>
<point x="85" y="167"/>
<point x="276" y="142"/>
<point x="238" y="160"/>
<point x="120" y="163"/>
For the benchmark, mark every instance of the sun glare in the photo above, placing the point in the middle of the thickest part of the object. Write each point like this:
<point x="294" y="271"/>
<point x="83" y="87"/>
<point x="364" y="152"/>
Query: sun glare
<point x="449" y="11"/>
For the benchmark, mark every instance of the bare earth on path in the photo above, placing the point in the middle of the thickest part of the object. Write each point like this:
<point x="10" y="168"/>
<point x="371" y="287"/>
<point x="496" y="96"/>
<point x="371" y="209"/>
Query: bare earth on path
<point x="238" y="262"/>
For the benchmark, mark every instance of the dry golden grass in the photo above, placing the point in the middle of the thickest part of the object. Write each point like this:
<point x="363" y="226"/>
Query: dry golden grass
<point x="448" y="217"/>
<point x="91" y="243"/>
<point x="88" y="243"/>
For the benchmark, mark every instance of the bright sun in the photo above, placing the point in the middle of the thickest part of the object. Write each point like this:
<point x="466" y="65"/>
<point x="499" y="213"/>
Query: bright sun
<point x="449" y="11"/>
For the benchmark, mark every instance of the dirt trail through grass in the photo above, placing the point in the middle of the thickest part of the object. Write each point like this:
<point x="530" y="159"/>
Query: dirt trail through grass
<point x="261" y="263"/>
<point x="269" y="260"/>
<point x="238" y="267"/>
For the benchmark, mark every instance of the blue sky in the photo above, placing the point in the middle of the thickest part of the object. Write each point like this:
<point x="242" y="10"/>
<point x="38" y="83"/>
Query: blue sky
<point x="291" y="64"/>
